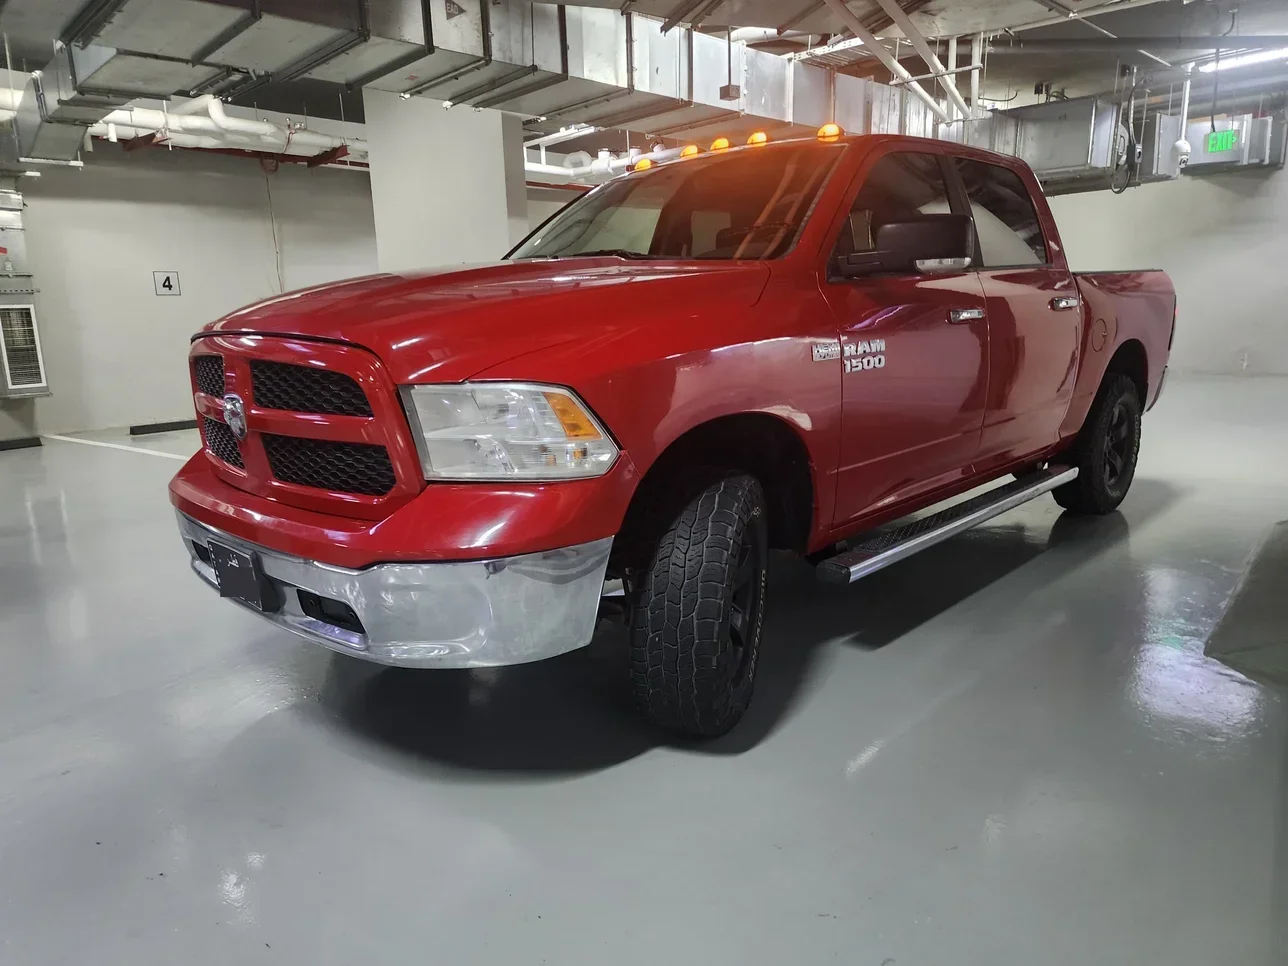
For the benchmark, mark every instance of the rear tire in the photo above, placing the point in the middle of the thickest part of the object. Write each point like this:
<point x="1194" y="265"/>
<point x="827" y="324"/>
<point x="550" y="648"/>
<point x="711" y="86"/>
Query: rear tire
<point x="698" y="611"/>
<point x="1106" y="450"/>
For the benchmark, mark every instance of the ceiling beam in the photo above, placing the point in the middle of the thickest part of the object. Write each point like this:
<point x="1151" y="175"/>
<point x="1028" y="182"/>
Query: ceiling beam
<point x="861" y="32"/>
<point x="896" y="13"/>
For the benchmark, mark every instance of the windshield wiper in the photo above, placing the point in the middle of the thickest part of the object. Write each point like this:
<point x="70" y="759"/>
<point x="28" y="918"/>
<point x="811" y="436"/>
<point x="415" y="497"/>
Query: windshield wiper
<point x="600" y="252"/>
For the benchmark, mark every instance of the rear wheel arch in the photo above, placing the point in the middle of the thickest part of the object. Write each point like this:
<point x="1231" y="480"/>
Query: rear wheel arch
<point x="1131" y="360"/>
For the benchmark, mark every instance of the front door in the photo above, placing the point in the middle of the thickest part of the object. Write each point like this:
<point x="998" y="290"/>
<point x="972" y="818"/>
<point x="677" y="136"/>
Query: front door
<point x="914" y="353"/>
<point x="1034" y="315"/>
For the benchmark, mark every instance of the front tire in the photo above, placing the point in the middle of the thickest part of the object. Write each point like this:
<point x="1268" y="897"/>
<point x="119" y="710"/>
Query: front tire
<point x="698" y="611"/>
<point x="1106" y="450"/>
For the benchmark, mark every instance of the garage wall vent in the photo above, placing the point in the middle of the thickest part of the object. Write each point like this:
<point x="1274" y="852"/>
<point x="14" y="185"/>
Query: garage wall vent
<point x="21" y="361"/>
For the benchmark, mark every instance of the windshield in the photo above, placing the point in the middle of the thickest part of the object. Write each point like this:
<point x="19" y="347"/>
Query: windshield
<point x="746" y="204"/>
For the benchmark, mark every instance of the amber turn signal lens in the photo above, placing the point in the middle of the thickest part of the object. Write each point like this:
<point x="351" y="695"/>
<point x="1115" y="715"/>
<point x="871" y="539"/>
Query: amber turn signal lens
<point x="689" y="151"/>
<point x="576" y="424"/>
<point x="720" y="144"/>
<point x="643" y="164"/>
<point x="760" y="137"/>
<point x="829" y="132"/>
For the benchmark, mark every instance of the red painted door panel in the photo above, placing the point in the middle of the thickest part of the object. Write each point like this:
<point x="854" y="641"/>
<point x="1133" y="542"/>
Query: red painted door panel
<point x="1034" y="320"/>
<point x="911" y="418"/>
<point x="1033" y="360"/>
<point x="914" y="382"/>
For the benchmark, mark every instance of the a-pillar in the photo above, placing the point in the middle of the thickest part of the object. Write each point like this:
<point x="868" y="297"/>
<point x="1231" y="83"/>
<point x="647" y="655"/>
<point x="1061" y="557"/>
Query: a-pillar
<point x="447" y="185"/>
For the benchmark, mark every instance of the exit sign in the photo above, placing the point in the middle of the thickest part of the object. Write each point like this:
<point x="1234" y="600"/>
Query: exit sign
<point x="1219" y="141"/>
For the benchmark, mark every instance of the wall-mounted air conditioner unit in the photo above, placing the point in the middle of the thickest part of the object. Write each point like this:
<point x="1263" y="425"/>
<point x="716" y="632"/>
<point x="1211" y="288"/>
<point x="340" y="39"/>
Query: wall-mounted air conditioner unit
<point x="22" y="367"/>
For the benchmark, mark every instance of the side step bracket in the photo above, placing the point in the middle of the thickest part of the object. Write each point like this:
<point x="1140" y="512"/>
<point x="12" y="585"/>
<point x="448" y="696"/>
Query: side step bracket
<point x="886" y="546"/>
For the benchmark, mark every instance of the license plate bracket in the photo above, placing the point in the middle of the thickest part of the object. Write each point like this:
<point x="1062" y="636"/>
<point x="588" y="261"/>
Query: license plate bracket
<point x="241" y="577"/>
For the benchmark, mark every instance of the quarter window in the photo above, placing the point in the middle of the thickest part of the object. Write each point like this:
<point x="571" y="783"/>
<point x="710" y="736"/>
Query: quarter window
<point x="1005" y="219"/>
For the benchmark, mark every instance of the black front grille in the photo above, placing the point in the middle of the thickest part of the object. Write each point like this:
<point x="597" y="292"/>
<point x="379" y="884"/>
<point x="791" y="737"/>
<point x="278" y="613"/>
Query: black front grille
<point x="342" y="467"/>
<point x="221" y="442"/>
<point x="278" y="385"/>
<point x="210" y="374"/>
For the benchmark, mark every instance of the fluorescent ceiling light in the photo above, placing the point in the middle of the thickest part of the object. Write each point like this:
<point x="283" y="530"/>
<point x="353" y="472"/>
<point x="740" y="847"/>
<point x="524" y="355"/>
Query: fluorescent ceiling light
<point x="1246" y="60"/>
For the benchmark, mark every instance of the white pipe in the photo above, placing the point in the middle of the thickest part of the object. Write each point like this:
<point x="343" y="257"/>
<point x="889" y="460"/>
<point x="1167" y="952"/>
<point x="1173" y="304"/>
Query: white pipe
<point x="951" y="64"/>
<point x="1185" y="101"/>
<point x="871" y="43"/>
<point x="910" y="31"/>
<point x="604" y="164"/>
<point x="977" y="61"/>
<point x="1082" y="14"/>
<point x="203" y="122"/>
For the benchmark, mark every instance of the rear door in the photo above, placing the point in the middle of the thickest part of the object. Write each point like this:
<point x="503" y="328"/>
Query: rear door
<point x="914" y="350"/>
<point x="1034" y="316"/>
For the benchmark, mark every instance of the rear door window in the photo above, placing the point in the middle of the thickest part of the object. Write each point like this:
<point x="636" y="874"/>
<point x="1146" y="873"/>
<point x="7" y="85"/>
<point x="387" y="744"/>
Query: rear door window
<point x="1005" y="219"/>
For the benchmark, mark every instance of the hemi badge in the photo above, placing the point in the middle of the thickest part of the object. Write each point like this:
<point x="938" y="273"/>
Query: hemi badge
<point x="827" y="351"/>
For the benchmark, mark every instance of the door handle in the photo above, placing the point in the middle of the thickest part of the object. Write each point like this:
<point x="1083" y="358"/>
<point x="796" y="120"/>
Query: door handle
<point x="1064" y="303"/>
<point x="959" y="316"/>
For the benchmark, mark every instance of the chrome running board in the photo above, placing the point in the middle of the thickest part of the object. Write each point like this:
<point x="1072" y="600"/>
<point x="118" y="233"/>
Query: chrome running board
<point x="886" y="546"/>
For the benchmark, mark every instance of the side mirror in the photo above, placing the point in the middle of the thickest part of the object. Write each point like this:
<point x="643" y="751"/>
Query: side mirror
<point x="926" y="243"/>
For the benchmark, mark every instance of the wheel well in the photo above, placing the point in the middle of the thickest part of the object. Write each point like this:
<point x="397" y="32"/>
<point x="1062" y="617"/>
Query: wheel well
<point x="1130" y="360"/>
<point x="761" y="445"/>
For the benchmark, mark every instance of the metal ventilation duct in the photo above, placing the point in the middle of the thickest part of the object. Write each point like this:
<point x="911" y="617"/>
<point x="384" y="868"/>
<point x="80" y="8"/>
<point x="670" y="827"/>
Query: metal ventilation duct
<point x="602" y="67"/>
<point x="1078" y="144"/>
<point x="255" y="41"/>
<point x="570" y="64"/>
<point x="62" y="101"/>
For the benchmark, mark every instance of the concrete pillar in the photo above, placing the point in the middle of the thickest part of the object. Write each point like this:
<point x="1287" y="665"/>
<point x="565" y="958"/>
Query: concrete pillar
<point x="447" y="186"/>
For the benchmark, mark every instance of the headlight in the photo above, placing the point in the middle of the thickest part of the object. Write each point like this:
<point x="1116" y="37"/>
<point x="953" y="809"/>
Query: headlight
<point x="506" y="431"/>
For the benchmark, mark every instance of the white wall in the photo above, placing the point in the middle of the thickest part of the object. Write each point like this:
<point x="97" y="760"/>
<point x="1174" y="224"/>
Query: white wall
<point x="115" y="352"/>
<point x="1224" y="241"/>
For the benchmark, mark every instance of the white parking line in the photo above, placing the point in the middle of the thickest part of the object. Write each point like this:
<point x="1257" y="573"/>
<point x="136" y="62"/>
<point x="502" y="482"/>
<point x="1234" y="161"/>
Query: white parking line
<point x="128" y="449"/>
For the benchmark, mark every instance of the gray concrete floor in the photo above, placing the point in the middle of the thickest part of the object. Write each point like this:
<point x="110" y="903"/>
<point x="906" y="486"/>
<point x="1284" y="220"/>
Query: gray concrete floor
<point x="1007" y="750"/>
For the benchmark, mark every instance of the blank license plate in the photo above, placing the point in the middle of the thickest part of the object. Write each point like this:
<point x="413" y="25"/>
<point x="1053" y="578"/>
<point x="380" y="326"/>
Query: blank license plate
<point x="241" y="577"/>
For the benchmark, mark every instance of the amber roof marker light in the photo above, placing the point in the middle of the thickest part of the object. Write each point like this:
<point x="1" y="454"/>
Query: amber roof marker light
<point x="829" y="132"/>
<point x="643" y="164"/>
<point x="720" y="144"/>
<point x="689" y="150"/>
<point x="760" y="137"/>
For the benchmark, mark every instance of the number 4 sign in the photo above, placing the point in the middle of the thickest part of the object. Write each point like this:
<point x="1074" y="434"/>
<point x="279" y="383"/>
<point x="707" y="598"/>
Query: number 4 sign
<point x="167" y="283"/>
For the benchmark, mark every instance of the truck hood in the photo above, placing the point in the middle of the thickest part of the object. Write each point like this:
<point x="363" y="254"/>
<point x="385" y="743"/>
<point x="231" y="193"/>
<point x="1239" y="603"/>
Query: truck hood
<point x="447" y="325"/>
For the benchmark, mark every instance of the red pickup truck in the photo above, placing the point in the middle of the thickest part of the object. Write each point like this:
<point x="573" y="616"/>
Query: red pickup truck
<point x="782" y="346"/>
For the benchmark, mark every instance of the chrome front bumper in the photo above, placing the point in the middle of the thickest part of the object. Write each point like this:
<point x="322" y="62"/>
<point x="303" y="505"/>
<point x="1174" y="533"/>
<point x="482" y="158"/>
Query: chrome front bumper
<point x="486" y="613"/>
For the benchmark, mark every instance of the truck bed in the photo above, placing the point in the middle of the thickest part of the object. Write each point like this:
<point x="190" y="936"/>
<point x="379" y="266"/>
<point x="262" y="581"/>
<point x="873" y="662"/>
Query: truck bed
<point x="1124" y="306"/>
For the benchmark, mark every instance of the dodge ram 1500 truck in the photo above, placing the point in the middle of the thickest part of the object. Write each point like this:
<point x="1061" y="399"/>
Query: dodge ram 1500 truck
<point x="781" y="346"/>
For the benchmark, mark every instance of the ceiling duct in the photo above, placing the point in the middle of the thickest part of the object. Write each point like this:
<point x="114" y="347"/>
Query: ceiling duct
<point x="1079" y="144"/>
<point x="254" y="42"/>
<point x="589" y="65"/>
<point x="82" y="85"/>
